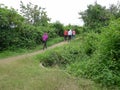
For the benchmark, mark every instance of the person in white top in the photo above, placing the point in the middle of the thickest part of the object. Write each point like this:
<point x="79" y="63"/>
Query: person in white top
<point x="69" y="34"/>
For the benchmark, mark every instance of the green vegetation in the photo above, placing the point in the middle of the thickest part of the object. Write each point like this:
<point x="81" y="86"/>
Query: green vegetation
<point x="8" y="53"/>
<point x="27" y="74"/>
<point x="95" y="55"/>
<point x="26" y="29"/>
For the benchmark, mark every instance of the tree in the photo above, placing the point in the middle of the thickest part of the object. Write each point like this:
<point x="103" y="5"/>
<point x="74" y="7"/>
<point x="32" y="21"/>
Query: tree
<point x="95" y="16"/>
<point x="34" y="14"/>
<point x="115" y="10"/>
<point x="9" y="18"/>
<point x="58" y="28"/>
<point x="10" y="22"/>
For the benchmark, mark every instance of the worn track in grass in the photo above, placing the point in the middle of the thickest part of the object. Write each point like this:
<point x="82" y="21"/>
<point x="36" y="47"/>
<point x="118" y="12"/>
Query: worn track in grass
<point x="19" y="57"/>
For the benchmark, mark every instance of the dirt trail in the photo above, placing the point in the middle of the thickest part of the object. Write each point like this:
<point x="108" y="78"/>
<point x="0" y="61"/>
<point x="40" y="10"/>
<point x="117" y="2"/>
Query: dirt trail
<point x="14" y="58"/>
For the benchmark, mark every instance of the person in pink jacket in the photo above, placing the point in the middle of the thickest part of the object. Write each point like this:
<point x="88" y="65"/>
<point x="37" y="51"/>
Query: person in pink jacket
<point x="45" y="38"/>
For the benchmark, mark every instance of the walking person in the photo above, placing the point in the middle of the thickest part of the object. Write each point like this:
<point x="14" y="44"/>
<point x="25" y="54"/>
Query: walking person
<point x="69" y="35"/>
<point x="73" y="34"/>
<point x="65" y="35"/>
<point x="45" y="38"/>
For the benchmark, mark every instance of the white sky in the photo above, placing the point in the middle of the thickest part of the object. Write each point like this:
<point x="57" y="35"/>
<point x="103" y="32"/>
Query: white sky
<point x="65" y="11"/>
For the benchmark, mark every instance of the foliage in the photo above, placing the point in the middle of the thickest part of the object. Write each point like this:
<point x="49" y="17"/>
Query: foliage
<point x="58" y="28"/>
<point x="34" y="14"/>
<point x="115" y="10"/>
<point x="89" y="43"/>
<point x="96" y="56"/>
<point x="61" y="56"/>
<point x="102" y="60"/>
<point x="16" y="33"/>
<point x="78" y="29"/>
<point x="95" y="17"/>
<point x="10" y="20"/>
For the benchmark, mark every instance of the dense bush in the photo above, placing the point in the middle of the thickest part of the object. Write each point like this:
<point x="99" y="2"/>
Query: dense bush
<point x="102" y="61"/>
<point x="107" y="55"/>
<point x="26" y="37"/>
<point x="61" y="56"/>
<point x="58" y="28"/>
<point x="15" y="32"/>
<point x="89" y="43"/>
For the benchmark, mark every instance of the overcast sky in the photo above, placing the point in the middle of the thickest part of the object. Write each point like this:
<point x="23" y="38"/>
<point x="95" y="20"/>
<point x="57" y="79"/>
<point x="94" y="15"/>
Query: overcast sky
<point x="65" y="11"/>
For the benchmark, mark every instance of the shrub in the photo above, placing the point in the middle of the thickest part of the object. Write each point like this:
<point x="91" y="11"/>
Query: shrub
<point x="104" y="63"/>
<point x="99" y="59"/>
<point x="61" y="56"/>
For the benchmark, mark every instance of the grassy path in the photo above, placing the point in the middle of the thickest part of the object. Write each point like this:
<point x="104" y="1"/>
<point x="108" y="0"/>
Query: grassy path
<point x="14" y="58"/>
<point x="27" y="74"/>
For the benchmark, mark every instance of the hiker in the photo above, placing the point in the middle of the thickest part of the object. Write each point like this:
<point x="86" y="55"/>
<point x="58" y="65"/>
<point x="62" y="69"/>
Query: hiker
<point x="69" y="35"/>
<point x="73" y="34"/>
<point x="65" y="35"/>
<point x="44" y="39"/>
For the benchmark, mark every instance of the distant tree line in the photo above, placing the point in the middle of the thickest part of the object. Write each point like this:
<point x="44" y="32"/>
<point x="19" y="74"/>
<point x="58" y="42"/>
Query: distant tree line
<point x="97" y="16"/>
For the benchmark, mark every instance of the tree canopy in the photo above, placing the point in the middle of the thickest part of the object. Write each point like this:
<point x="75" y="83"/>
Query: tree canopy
<point x="96" y="16"/>
<point x="34" y="14"/>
